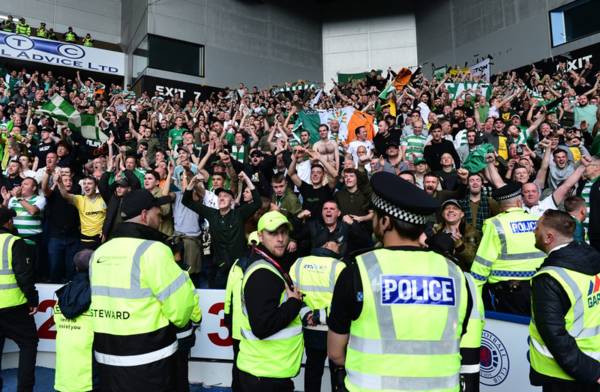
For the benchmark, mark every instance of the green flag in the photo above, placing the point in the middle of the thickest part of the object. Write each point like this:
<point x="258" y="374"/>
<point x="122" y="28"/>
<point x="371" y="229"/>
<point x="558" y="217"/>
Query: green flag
<point x="85" y="124"/>
<point x="310" y="121"/>
<point x="58" y="108"/>
<point x="387" y="90"/>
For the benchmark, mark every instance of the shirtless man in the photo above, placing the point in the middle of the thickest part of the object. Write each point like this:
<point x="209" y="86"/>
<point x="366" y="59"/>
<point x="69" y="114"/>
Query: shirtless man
<point x="328" y="149"/>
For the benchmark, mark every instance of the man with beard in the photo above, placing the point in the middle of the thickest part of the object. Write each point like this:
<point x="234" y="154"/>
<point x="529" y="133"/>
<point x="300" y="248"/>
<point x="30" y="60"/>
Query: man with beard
<point x="476" y="205"/>
<point x="564" y="306"/>
<point x="431" y="185"/>
<point x="439" y="146"/>
<point x="372" y="305"/>
<point x="346" y="231"/>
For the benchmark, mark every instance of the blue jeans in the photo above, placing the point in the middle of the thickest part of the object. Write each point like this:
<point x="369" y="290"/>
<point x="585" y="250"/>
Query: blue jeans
<point x="60" y="257"/>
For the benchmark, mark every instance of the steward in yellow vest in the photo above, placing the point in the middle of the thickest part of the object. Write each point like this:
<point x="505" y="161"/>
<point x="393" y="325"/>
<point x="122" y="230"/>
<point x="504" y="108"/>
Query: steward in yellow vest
<point x="70" y="35"/>
<point x="398" y="314"/>
<point x="564" y="349"/>
<point x="88" y="41"/>
<point x="23" y="28"/>
<point x="74" y="333"/>
<point x="315" y="277"/>
<point x="507" y="257"/>
<point x="18" y="299"/>
<point x="470" y="343"/>
<point x="139" y="297"/>
<point x="41" y="31"/>
<point x="271" y="347"/>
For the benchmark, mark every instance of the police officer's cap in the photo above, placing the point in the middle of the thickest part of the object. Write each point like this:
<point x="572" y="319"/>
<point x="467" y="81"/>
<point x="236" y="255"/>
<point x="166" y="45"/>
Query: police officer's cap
<point x="400" y="199"/>
<point x="136" y="201"/>
<point x="506" y="192"/>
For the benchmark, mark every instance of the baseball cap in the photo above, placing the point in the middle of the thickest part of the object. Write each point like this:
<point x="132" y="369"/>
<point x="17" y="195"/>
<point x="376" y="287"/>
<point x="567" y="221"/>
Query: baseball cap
<point x="419" y="161"/>
<point x="253" y="238"/>
<point x="272" y="220"/>
<point x="221" y="190"/>
<point x="123" y="182"/>
<point x="137" y="201"/>
<point x="451" y="201"/>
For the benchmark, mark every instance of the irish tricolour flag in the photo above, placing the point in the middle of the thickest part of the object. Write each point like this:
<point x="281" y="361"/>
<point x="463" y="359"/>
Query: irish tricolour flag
<point x="85" y="124"/>
<point x="348" y="118"/>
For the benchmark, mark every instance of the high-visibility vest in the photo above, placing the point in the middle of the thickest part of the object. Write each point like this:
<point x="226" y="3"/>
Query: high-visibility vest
<point x="408" y="333"/>
<point x="88" y="42"/>
<point x="582" y="321"/>
<point x="70" y="36"/>
<point x="472" y="337"/>
<point x="41" y="32"/>
<point x="23" y="29"/>
<point x="10" y="293"/>
<point x="124" y="303"/>
<point x="74" y="339"/>
<point x="233" y="296"/>
<point x="277" y="356"/>
<point x="315" y="277"/>
<point x="507" y="250"/>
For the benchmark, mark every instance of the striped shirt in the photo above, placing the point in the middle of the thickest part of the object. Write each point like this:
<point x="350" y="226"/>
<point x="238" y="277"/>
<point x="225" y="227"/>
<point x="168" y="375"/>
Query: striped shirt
<point x="415" y="145"/>
<point x="585" y="193"/>
<point x="26" y="224"/>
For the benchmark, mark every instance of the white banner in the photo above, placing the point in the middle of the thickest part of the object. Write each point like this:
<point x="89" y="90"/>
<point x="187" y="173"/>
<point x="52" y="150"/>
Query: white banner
<point x="483" y="69"/>
<point x="64" y="54"/>
<point x="504" y="345"/>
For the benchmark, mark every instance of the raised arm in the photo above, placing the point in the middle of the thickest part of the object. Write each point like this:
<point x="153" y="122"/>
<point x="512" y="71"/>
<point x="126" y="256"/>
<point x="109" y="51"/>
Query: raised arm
<point x="292" y="169"/>
<point x="540" y="178"/>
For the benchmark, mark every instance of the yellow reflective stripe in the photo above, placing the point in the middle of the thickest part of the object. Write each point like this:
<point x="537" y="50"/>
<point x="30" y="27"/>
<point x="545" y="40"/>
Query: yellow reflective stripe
<point x="543" y="350"/>
<point x="280" y="335"/>
<point x="184" y="334"/>
<point x="173" y="287"/>
<point x="134" y="291"/>
<point x="403" y="347"/>
<point x="8" y="286"/>
<point x="370" y="381"/>
<point x="483" y="261"/>
<point x="504" y="255"/>
<point x="578" y="309"/>
<point x="6" y="270"/>
<point x="136" y="360"/>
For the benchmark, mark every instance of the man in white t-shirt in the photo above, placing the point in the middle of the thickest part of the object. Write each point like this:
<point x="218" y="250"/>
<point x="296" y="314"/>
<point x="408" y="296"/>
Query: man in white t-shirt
<point x="361" y="140"/>
<point x="531" y="193"/>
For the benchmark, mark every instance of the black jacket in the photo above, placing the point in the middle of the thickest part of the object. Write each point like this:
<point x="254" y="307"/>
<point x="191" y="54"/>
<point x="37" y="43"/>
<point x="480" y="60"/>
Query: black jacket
<point x="113" y="202"/>
<point x="23" y="269"/>
<point x="315" y="234"/>
<point x="262" y="294"/>
<point x="75" y="297"/>
<point x="550" y="305"/>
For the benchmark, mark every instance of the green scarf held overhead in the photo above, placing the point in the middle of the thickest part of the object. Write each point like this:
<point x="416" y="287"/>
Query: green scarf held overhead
<point x="475" y="161"/>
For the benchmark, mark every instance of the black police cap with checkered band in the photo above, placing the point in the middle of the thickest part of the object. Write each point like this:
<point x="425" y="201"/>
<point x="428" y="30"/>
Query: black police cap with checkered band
<point x="400" y="199"/>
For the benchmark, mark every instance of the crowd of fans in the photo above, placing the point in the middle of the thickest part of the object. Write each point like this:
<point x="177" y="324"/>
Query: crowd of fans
<point x="20" y="26"/>
<point x="218" y="164"/>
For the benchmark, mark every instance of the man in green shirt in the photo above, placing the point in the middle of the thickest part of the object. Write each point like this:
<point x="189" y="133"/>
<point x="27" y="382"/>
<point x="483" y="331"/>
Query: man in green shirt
<point x="176" y="134"/>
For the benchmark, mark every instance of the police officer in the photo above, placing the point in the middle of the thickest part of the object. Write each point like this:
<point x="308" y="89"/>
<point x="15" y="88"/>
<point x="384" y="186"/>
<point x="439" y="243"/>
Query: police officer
<point x="88" y="41"/>
<point x="9" y="24"/>
<point x="564" y="344"/>
<point x="23" y="28"/>
<point x="271" y="346"/>
<point x="470" y="343"/>
<point x="74" y="333"/>
<point x="507" y="258"/>
<point x="139" y="296"/>
<point x="398" y="313"/>
<point x="232" y="307"/>
<point x="315" y="277"/>
<point x="42" y="32"/>
<point x="70" y="35"/>
<point x="18" y="300"/>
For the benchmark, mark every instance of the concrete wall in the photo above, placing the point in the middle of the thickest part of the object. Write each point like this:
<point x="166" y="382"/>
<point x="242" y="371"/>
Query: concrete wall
<point x="100" y="18"/>
<point x="358" y="45"/>
<point x="514" y="32"/>
<point x="257" y="43"/>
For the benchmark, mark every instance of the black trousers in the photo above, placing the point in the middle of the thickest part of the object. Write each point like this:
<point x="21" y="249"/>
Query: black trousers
<point x="18" y="325"/>
<point x="250" y="383"/>
<point x="570" y="386"/>
<point x="235" y="372"/>
<point x="182" y="381"/>
<point x="157" y="376"/>
<point x="500" y="297"/>
<point x="314" y="369"/>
